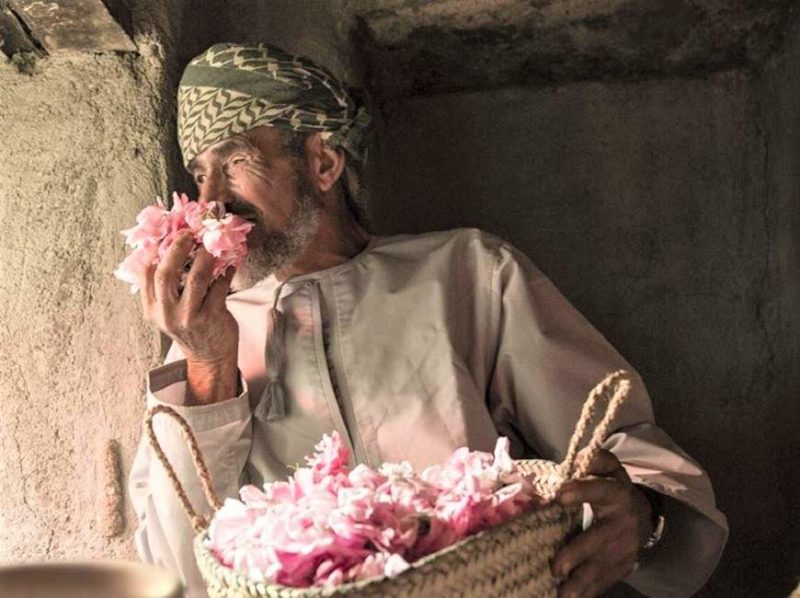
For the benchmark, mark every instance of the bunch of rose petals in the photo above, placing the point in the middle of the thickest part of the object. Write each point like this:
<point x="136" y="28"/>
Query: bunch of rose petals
<point x="222" y="234"/>
<point x="328" y="524"/>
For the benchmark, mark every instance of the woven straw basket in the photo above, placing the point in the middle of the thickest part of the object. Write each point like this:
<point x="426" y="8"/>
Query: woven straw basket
<point x="508" y="560"/>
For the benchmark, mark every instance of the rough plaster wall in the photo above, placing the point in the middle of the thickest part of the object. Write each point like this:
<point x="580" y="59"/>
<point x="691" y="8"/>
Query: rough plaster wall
<point x="81" y="153"/>
<point x="85" y="143"/>
<point x="86" y="140"/>
<point x="652" y="207"/>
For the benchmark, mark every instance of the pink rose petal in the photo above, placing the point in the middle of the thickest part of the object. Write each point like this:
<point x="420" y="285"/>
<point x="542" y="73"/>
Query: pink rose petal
<point x="223" y="235"/>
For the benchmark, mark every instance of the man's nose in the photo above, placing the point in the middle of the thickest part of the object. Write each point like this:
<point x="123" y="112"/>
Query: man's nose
<point x="214" y="188"/>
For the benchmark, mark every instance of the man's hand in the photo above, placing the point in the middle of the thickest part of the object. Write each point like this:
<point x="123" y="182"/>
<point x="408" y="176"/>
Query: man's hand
<point x="196" y="318"/>
<point x="608" y="550"/>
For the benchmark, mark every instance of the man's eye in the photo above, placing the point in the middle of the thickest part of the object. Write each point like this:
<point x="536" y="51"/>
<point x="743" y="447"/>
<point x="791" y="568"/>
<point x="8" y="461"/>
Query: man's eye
<point x="236" y="160"/>
<point x="199" y="179"/>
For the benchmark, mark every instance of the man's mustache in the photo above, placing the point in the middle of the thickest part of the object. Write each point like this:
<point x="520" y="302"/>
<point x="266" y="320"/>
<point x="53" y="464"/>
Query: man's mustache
<point x="244" y="210"/>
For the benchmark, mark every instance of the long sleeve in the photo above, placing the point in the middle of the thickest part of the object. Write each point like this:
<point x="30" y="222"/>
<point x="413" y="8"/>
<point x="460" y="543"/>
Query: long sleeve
<point x="223" y="430"/>
<point x="548" y="358"/>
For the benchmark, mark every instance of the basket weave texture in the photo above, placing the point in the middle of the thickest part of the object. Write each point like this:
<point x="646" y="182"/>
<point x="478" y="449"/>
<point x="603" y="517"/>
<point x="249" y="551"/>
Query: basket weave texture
<point x="509" y="560"/>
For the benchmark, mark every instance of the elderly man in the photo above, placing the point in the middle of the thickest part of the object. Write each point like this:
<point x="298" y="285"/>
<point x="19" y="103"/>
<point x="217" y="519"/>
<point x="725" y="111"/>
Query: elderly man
<point x="409" y="346"/>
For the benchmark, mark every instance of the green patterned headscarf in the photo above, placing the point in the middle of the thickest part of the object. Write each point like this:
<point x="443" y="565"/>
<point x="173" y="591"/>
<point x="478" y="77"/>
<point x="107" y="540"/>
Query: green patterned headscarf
<point x="230" y="89"/>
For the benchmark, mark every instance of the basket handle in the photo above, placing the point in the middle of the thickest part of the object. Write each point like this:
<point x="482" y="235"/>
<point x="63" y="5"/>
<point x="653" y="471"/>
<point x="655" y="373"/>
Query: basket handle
<point x="613" y="390"/>
<point x="199" y="523"/>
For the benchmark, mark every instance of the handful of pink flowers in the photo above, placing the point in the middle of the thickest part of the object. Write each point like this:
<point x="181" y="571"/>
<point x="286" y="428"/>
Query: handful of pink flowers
<point x="328" y="524"/>
<point x="222" y="234"/>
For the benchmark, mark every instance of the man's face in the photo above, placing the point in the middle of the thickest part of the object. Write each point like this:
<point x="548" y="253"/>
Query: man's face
<point x="257" y="179"/>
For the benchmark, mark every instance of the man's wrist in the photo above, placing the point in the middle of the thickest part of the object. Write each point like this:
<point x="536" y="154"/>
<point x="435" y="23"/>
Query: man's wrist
<point x="211" y="381"/>
<point x="657" y="519"/>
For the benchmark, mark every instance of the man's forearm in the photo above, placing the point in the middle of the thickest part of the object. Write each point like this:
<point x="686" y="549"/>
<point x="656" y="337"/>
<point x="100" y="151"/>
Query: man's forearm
<point x="211" y="382"/>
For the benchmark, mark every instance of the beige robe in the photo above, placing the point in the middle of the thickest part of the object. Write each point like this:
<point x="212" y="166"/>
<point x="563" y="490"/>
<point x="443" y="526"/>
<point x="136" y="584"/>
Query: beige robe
<point x="414" y="347"/>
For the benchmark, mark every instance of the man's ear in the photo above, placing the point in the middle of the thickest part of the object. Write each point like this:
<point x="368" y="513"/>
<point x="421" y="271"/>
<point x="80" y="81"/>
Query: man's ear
<point x="325" y="164"/>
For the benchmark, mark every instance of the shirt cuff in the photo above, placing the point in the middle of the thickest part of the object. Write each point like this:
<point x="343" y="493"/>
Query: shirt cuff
<point x="166" y="385"/>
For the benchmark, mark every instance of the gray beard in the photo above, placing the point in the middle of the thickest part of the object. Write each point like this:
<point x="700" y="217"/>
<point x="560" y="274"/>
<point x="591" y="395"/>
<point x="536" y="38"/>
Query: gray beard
<point x="269" y="251"/>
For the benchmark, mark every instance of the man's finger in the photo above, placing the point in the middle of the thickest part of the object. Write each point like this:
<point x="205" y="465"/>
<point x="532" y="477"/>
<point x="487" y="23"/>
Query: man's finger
<point x="594" y="577"/>
<point x="581" y="581"/>
<point x="215" y="298"/>
<point x="168" y="273"/>
<point x="604" y="494"/>
<point x="147" y="290"/>
<point x="197" y="282"/>
<point x="583" y="546"/>
<point x="605" y="463"/>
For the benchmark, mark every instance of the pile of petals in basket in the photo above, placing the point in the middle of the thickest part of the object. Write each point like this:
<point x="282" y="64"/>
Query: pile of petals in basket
<point x="222" y="234"/>
<point x="329" y="524"/>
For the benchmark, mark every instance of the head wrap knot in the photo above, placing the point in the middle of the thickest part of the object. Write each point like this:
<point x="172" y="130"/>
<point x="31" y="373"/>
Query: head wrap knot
<point x="230" y="89"/>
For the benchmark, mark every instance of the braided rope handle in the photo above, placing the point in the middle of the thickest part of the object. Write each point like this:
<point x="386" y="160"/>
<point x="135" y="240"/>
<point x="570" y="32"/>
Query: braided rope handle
<point x="613" y="390"/>
<point x="199" y="523"/>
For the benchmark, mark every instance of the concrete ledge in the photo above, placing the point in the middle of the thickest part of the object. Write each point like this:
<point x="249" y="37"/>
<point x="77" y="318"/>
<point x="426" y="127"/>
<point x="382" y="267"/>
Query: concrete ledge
<point x="72" y="25"/>
<point x="417" y="48"/>
<point x="13" y="37"/>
